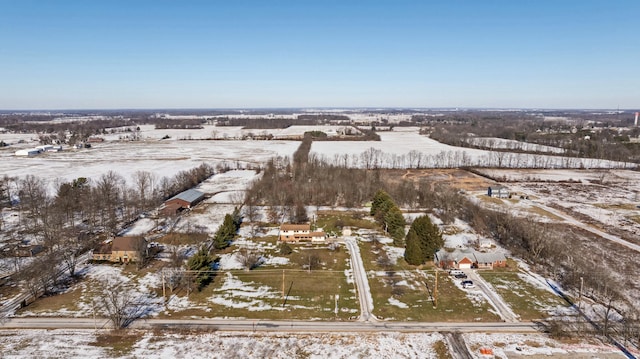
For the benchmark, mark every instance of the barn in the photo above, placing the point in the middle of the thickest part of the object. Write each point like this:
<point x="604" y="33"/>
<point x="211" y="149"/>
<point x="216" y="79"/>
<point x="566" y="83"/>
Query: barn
<point x="181" y="201"/>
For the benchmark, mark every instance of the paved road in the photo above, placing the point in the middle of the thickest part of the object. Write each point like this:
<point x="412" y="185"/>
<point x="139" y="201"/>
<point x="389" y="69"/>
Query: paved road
<point x="361" y="280"/>
<point x="272" y="326"/>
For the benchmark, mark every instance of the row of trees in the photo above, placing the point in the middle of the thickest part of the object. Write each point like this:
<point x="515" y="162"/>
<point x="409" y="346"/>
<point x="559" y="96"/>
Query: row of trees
<point x="388" y="215"/>
<point x="69" y="223"/>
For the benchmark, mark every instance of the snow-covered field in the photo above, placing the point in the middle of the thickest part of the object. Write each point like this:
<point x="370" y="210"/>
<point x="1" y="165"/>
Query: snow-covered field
<point x="163" y="158"/>
<point x="504" y="144"/>
<point x="404" y="147"/>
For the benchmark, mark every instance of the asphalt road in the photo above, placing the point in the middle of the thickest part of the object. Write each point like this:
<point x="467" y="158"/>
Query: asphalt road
<point x="271" y="325"/>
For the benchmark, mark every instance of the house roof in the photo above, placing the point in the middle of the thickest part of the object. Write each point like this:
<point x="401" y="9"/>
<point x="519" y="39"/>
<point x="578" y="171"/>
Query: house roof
<point x="489" y="257"/>
<point x="103" y="249"/>
<point x="498" y="188"/>
<point x="457" y="255"/>
<point x="480" y="257"/>
<point x="126" y="243"/>
<point x="295" y="227"/>
<point x="190" y="195"/>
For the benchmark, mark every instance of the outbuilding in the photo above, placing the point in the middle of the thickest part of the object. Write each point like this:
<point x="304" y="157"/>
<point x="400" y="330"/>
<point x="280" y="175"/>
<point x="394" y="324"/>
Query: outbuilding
<point x="181" y="201"/>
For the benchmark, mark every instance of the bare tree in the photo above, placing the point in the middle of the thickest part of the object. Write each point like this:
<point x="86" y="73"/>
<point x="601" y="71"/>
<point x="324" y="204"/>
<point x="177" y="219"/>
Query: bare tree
<point x="144" y="183"/>
<point x="120" y="303"/>
<point x="249" y="258"/>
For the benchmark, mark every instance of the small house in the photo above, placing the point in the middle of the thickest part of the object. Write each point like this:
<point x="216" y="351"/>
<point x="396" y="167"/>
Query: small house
<point x="498" y="192"/>
<point x="181" y="201"/>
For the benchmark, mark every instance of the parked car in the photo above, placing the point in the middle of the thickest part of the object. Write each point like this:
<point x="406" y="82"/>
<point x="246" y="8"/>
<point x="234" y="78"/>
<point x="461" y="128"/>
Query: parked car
<point x="455" y="272"/>
<point x="460" y="276"/>
<point x="467" y="284"/>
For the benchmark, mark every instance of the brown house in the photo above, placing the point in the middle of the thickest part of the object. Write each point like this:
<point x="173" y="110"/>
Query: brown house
<point x="181" y="201"/>
<point x="121" y="249"/>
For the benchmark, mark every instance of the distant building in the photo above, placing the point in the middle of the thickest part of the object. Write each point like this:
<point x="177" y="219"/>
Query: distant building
<point x="181" y="201"/>
<point x="498" y="192"/>
<point x="28" y="153"/>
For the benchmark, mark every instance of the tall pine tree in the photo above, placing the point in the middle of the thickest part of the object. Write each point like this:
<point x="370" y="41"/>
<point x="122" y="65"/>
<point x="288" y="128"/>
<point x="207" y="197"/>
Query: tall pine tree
<point x="428" y="237"/>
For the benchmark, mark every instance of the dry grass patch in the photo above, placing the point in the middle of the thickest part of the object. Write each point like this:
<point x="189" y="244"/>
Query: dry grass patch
<point x="119" y="342"/>
<point x="177" y="239"/>
<point x="442" y="350"/>
<point x="55" y="302"/>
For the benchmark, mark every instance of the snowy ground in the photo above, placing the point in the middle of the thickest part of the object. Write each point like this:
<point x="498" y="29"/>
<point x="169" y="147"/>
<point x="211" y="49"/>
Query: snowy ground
<point x="504" y="144"/>
<point x="163" y="158"/>
<point x="81" y="344"/>
<point x="405" y="147"/>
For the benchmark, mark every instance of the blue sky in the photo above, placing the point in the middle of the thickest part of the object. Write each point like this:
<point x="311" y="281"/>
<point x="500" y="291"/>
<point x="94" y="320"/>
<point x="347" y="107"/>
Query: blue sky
<point x="246" y="54"/>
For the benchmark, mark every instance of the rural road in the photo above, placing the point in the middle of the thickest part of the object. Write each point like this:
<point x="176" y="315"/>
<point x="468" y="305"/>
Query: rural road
<point x="271" y="325"/>
<point x="589" y="228"/>
<point x="361" y="280"/>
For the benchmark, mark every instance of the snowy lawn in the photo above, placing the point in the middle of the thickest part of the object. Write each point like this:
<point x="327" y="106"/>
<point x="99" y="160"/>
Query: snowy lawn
<point x="322" y="293"/>
<point x="194" y="344"/>
<point x="401" y="293"/>
<point x="526" y="295"/>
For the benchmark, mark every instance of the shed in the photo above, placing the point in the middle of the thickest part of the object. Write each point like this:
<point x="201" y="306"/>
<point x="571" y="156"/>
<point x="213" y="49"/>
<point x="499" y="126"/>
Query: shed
<point x="181" y="201"/>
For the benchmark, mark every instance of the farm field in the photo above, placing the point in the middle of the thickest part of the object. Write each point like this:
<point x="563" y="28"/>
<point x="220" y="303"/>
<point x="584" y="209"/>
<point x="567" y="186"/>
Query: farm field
<point x="282" y="287"/>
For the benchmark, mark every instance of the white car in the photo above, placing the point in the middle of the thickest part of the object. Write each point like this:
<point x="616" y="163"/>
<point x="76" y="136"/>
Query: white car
<point x="467" y="284"/>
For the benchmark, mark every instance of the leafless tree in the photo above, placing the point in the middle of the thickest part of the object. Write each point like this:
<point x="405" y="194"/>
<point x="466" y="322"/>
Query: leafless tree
<point x="120" y="302"/>
<point x="144" y="183"/>
<point x="249" y="258"/>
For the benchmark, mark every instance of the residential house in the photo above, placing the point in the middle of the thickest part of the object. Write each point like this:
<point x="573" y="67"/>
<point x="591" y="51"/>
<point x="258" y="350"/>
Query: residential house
<point x="498" y="192"/>
<point x="181" y="201"/>
<point x="300" y="232"/>
<point x="469" y="258"/>
<point x="121" y="249"/>
<point x="490" y="260"/>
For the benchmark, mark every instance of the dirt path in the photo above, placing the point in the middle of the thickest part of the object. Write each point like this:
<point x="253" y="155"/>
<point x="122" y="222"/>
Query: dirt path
<point x="597" y="232"/>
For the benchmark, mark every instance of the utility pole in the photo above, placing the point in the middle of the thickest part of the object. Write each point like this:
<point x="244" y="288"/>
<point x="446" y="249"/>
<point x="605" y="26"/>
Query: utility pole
<point x="283" y="285"/>
<point x="435" y="292"/>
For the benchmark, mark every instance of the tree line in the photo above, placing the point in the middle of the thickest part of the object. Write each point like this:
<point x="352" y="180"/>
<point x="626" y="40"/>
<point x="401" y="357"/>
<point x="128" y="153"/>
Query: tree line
<point x="70" y="222"/>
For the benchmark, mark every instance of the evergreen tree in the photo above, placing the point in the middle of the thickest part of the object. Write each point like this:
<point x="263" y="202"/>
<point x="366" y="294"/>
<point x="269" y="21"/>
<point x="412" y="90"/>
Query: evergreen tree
<point x="428" y="237"/>
<point x="237" y="218"/>
<point x="226" y="232"/>
<point x="413" y="251"/>
<point x="201" y="262"/>
<point x="394" y="223"/>
<point x="380" y="204"/>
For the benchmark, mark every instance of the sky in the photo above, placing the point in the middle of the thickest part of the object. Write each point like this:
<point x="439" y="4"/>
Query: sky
<point x="112" y="54"/>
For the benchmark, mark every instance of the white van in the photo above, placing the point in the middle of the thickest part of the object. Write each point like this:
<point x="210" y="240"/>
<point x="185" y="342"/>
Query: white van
<point x="455" y="272"/>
